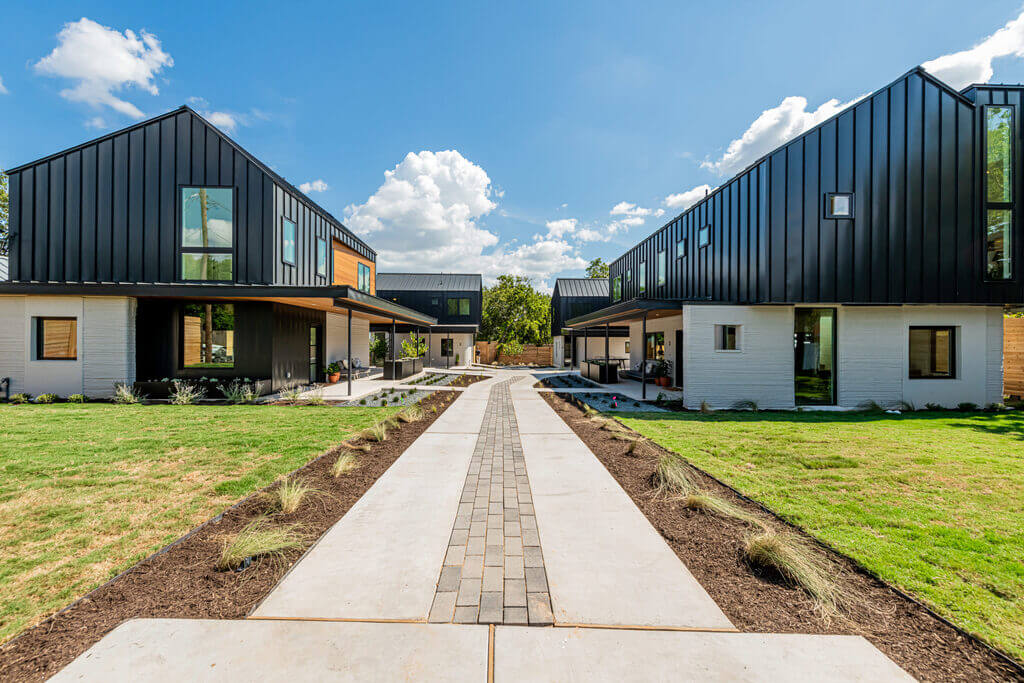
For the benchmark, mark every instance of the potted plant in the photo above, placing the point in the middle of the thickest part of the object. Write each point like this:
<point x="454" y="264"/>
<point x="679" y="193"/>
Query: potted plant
<point x="661" y="373"/>
<point x="333" y="373"/>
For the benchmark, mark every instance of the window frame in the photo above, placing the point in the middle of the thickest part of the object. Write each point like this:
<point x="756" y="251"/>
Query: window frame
<point x="719" y="340"/>
<point x="295" y="241"/>
<point x="321" y="242"/>
<point x="458" y="301"/>
<point x="953" y="349"/>
<point x="828" y="206"/>
<point x="180" y="228"/>
<point x="41" y="341"/>
<point x="661" y="277"/>
<point x="207" y="370"/>
<point x="704" y="232"/>
<point x="360" y="269"/>
<point x="447" y="347"/>
<point x="988" y="206"/>
<point x="617" y="288"/>
<point x="654" y="335"/>
<point x="641" y="284"/>
<point x="682" y="247"/>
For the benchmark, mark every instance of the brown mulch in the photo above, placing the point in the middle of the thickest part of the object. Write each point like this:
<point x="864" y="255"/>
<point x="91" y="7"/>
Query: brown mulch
<point x="711" y="547"/>
<point x="180" y="580"/>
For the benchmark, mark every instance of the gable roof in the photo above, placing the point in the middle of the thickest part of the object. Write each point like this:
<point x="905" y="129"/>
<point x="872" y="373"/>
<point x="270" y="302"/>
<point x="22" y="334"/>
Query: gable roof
<point x="582" y="286"/>
<point x="299" y="194"/>
<point x="428" y="282"/>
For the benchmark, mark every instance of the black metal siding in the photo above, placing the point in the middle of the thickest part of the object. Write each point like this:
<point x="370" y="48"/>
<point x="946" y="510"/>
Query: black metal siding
<point x="107" y="211"/>
<point x="911" y="156"/>
<point x="421" y="301"/>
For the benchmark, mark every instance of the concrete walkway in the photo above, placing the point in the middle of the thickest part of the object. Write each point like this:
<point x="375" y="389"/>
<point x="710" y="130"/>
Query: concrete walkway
<point x="622" y="605"/>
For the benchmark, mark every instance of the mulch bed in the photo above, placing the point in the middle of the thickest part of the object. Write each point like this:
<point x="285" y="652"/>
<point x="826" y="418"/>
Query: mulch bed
<point x="711" y="547"/>
<point x="180" y="581"/>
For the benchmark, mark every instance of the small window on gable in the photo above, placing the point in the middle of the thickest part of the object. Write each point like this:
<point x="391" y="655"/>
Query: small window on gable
<point x="662" y="267"/>
<point x="288" y="241"/>
<point x="617" y="288"/>
<point x="704" y="237"/>
<point x="838" y="205"/>
<point x="727" y="337"/>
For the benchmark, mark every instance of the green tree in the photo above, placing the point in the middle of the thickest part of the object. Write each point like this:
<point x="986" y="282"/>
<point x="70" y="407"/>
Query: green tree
<point x="4" y="224"/>
<point x="514" y="313"/>
<point x="597" y="268"/>
<point x="414" y="347"/>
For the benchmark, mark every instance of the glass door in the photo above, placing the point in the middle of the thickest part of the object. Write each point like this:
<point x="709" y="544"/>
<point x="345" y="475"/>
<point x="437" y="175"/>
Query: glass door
<point x="314" y="353"/>
<point x="814" y="361"/>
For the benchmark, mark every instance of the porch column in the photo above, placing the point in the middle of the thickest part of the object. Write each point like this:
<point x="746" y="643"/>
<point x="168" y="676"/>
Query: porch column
<point x="348" y="344"/>
<point x="393" y="357"/>
<point x="606" y="332"/>
<point x="643" y="358"/>
<point x="586" y="337"/>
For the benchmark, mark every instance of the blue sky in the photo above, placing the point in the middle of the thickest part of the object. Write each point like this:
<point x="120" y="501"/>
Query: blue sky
<point x="469" y="137"/>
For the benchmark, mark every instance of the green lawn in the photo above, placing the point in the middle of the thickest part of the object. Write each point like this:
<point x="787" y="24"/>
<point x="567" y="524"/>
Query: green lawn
<point x="933" y="502"/>
<point x="88" y="490"/>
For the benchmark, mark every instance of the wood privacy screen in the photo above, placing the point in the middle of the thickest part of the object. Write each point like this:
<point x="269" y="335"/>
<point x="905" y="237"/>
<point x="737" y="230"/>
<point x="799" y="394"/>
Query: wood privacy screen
<point x="1013" y="357"/>
<point x="538" y="355"/>
<point x="58" y="339"/>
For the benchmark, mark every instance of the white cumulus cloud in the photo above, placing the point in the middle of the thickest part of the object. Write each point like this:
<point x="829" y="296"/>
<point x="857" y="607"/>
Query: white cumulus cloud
<point x="102" y="61"/>
<point x="425" y="218"/>
<point x="684" y="200"/>
<point x="561" y="227"/>
<point x="314" y="186"/>
<point x="97" y="122"/>
<point x="960" y="69"/>
<point x="3" y="90"/>
<point x="773" y="128"/>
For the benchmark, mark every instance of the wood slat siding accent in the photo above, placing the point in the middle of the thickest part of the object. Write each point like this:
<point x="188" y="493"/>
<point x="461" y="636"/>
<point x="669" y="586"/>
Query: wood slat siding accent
<point x="487" y="352"/>
<point x="346" y="268"/>
<point x="1013" y="357"/>
<point x="910" y="153"/>
<point x="107" y="211"/>
<point x="192" y="332"/>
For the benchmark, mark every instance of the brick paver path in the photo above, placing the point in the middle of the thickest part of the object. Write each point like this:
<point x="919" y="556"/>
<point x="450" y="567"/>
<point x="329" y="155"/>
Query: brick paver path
<point x="493" y="571"/>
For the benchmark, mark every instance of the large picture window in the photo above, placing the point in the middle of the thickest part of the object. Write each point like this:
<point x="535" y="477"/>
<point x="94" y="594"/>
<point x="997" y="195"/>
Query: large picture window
<point x="932" y="353"/>
<point x="207" y="233"/>
<point x="288" y="241"/>
<point x="458" y="307"/>
<point x="363" y="282"/>
<point x="208" y="336"/>
<point x="999" y="153"/>
<point x="56" y="339"/>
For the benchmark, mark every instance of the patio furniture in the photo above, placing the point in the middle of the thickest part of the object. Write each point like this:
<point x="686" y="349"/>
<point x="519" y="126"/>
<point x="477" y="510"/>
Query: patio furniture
<point x="636" y="374"/>
<point x="601" y="371"/>
<point x="402" y="368"/>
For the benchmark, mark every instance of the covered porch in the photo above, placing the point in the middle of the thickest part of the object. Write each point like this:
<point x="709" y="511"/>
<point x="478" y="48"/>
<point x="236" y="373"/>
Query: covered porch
<point x="655" y="347"/>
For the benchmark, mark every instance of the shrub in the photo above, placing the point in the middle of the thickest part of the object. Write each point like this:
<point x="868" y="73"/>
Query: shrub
<point x="257" y="540"/>
<point x="77" y="398"/>
<point x="966" y="407"/>
<point x="995" y="407"/>
<point x="672" y="476"/>
<point x="705" y="408"/>
<point x="290" y="394"/>
<point x="933" y="406"/>
<point x="411" y="414"/>
<point x="127" y="395"/>
<point x="799" y="565"/>
<point x="345" y="463"/>
<point x="746" y="404"/>
<point x="315" y="398"/>
<point x="289" y="494"/>
<point x="904" y="406"/>
<point x="47" y="398"/>
<point x="186" y="393"/>
<point x="239" y="392"/>
<point x="383" y="402"/>
<point x="20" y="398"/>
<point x="362" y="401"/>
<point x="378" y="431"/>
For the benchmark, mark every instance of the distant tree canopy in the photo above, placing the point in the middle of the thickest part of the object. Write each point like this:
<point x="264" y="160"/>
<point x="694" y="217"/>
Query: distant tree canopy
<point x="597" y="268"/>
<point x="4" y="209"/>
<point x="514" y="313"/>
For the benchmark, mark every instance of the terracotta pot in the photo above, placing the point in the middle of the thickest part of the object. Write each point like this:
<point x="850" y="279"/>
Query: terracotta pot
<point x="333" y="379"/>
<point x="664" y="382"/>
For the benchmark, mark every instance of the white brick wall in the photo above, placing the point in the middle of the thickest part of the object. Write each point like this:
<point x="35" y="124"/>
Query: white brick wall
<point x="872" y="354"/>
<point x="107" y="331"/>
<point x="761" y="371"/>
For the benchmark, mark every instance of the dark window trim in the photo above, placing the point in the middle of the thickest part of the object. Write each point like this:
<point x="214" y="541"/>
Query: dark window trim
<point x="661" y="276"/>
<point x="458" y="306"/>
<point x="641" y="285"/>
<point x="209" y="372"/>
<point x="954" y="374"/>
<point x="617" y="288"/>
<point x="284" y="260"/>
<point x="720" y="337"/>
<point x="828" y="204"/>
<point x="704" y="230"/>
<point x="685" y="242"/>
<point x="39" y="336"/>
<point x="182" y="249"/>
<point x="369" y="277"/>
<point x="319" y="241"/>
<point x="1007" y="206"/>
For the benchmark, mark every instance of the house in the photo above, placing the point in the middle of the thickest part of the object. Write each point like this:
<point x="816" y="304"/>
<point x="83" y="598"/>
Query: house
<point x="868" y="259"/>
<point x="165" y="250"/>
<point x="571" y="298"/>
<point x="455" y="300"/>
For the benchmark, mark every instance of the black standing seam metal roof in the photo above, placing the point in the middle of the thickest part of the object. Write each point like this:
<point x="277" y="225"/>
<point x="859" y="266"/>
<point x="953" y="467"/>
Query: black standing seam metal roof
<point x="302" y="196"/>
<point x="582" y="286"/>
<point x="428" y="282"/>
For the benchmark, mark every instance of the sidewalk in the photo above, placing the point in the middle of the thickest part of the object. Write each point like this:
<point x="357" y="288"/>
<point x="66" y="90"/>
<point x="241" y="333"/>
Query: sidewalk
<point x="496" y="508"/>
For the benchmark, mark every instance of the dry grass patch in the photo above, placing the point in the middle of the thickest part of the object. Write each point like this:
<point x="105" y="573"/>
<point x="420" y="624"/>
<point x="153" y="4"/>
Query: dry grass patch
<point x="706" y="502"/>
<point x="345" y="463"/>
<point x="289" y="494"/>
<point x="258" y="540"/>
<point x="378" y="431"/>
<point x="672" y="476"/>
<point x="787" y="556"/>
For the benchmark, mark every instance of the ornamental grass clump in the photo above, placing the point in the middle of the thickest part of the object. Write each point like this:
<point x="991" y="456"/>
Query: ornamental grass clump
<point x="672" y="476"/>
<point x="258" y="540"/>
<point x="126" y="395"/>
<point x="47" y="398"/>
<point x="345" y="463"/>
<point x="186" y="393"/>
<point x="77" y="398"/>
<point x="20" y="398"/>
<point x="289" y="494"/>
<point x="239" y="392"/>
<point x="291" y="394"/>
<point x="704" y="501"/>
<point x="315" y="398"/>
<point x="801" y="566"/>
<point x="378" y="431"/>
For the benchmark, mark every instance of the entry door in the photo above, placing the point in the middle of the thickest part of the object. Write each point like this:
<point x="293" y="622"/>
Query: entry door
<point x="315" y="332"/>
<point x="814" y="356"/>
<point x="679" y="359"/>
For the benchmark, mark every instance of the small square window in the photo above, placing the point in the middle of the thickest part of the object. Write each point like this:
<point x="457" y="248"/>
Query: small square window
<point x="56" y="339"/>
<point x="932" y="353"/>
<point x="727" y="337"/>
<point x="704" y="237"/>
<point x="838" y="205"/>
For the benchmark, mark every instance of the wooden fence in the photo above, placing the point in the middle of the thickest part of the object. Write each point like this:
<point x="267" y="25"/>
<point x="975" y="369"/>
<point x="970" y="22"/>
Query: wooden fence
<point x="1013" y="356"/>
<point x="487" y="353"/>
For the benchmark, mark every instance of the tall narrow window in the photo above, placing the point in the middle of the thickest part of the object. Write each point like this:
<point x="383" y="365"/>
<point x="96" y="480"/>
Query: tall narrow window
<point x="999" y="217"/>
<point x="641" y="277"/>
<point x="681" y="248"/>
<point x="363" y="278"/>
<point x="207" y="233"/>
<point x="704" y="237"/>
<point x="662" y="275"/>
<point x="321" y="257"/>
<point x="288" y="241"/>
<point x="617" y="288"/>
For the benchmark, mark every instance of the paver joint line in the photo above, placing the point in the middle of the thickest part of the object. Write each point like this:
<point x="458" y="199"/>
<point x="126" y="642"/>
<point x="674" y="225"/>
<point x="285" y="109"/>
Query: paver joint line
<point x="483" y="578"/>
